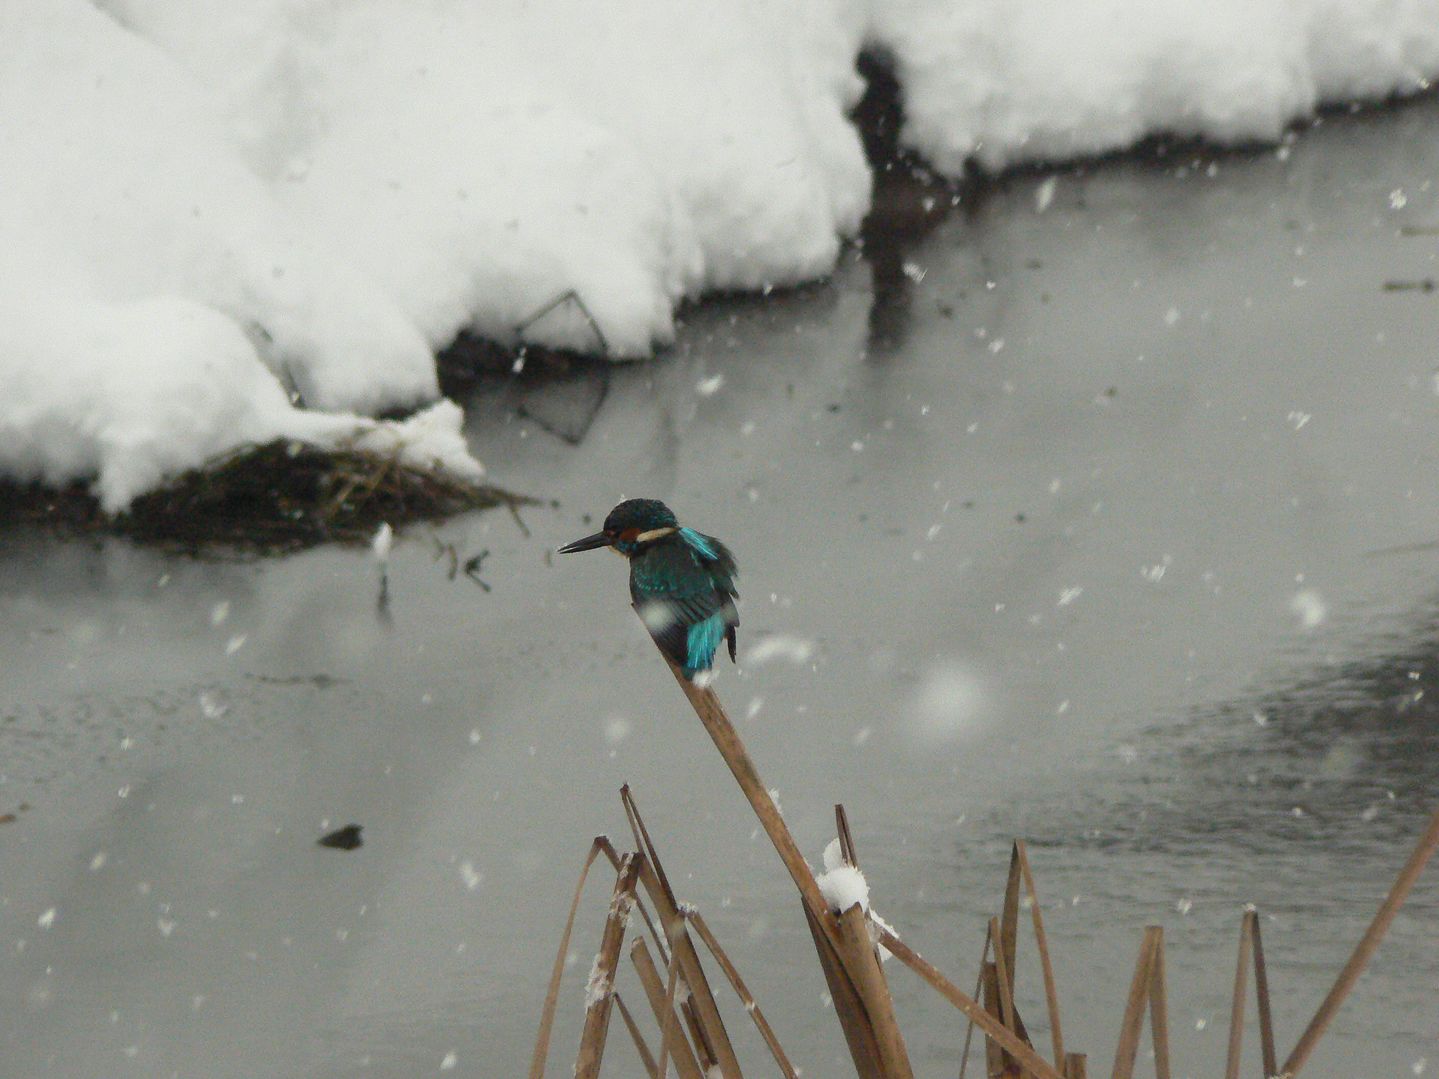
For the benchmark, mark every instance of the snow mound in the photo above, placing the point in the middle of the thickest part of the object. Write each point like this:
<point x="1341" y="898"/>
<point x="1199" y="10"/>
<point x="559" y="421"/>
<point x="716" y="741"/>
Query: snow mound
<point x="1002" y="82"/>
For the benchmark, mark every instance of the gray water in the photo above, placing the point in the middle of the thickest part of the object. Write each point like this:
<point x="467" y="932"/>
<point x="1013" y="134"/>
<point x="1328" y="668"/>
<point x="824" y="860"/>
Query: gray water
<point x="1103" y="526"/>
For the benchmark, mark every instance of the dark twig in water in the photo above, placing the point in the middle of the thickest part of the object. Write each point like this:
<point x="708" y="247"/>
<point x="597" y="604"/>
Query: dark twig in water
<point x="472" y="568"/>
<point x="515" y="513"/>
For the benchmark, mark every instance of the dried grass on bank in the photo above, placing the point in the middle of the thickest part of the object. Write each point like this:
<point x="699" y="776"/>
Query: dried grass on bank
<point x="272" y="498"/>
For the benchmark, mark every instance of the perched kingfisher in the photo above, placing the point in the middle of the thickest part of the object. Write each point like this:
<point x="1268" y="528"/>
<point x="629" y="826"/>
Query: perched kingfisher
<point x="682" y="581"/>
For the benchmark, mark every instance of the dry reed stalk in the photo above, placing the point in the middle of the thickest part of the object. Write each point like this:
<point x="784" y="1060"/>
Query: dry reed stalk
<point x="1236" y="1007"/>
<point x="646" y="1057"/>
<point x="552" y="995"/>
<point x="991" y="1027"/>
<point x="704" y="1048"/>
<point x="1159" y="1009"/>
<point x="666" y="905"/>
<point x="993" y="1055"/>
<point x="1041" y="941"/>
<point x="846" y="837"/>
<point x="1076" y="1066"/>
<point x="1147" y="986"/>
<point x="1008" y="939"/>
<point x="746" y="998"/>
<point x="1261" y="995"/>
<point x="662" y="1007"/>
<point x="671" y="988"/>
<point x="979" y="984"/>
<point x="1004" y="983"/>
<point x="850" y="969"/>
<point x="861" y="961"/>
<point x="859" y="1035"/>
<point x="602" y="976"/>
<point x="1365" y="949"/>
<point x="722" y="731"/>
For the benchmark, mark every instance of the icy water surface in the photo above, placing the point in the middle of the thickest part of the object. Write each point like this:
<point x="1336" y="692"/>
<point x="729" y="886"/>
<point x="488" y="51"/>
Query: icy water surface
<point x="1105" y="526"/>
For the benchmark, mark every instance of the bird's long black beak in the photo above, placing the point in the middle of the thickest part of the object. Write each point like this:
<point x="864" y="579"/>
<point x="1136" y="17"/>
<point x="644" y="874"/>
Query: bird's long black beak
<point x="589" y="543"/>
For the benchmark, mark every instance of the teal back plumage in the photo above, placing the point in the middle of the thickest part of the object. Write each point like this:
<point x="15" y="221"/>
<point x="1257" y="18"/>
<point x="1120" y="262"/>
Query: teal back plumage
<point x="683" y="585"/>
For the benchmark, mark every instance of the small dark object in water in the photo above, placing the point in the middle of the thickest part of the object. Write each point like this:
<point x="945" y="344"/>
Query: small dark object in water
<point x="1425" y="284"/>
<point x="472" y="568"/>
<point x="346" y="838"/>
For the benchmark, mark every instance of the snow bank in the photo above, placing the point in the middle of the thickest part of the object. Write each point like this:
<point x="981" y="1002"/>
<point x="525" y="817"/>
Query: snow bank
<point x="1009" y="81"/>
<point x="204" y="201"/>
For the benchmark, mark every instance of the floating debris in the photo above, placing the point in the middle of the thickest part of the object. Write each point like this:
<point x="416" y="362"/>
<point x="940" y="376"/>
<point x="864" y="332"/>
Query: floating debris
<point x="346" y="838"/>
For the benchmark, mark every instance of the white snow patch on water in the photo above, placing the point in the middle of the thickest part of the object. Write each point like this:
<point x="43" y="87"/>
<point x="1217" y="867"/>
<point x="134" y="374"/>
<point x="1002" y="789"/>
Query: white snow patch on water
<point x="784" y="646"/>
<point x="1308" y="606"/>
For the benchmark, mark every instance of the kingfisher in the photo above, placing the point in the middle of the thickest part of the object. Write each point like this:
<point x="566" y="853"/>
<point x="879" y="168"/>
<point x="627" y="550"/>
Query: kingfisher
<point x="682" y="582"/>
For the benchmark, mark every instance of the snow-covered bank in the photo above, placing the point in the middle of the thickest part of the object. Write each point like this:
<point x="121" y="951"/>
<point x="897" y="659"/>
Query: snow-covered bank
<point x="1004" y="82"/>
<point x="204" y="200"/>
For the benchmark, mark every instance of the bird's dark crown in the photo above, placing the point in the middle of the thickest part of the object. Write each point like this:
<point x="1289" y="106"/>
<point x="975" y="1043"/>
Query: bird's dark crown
<point x="643" y="514"/>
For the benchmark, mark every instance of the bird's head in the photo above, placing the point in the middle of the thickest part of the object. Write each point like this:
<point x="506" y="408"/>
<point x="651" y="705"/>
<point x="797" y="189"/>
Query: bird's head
<point x="631" y="525"/>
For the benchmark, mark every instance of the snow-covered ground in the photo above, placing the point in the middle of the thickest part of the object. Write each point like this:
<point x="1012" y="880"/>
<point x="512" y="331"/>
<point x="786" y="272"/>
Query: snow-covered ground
<point x="211" y="210"/>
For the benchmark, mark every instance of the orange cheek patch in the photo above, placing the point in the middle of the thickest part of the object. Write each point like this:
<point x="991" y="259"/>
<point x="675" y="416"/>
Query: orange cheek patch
<point x="629" y="535"/>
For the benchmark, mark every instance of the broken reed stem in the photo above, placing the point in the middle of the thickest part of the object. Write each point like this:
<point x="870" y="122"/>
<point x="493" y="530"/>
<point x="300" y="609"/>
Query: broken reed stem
<point x="646" y="1058"/>
<point x="746" y="998"/>
<point x="992" y="1028"/>
<point x="679" y="943"/>
<point x="552" y="995"/>
<point x="1236" y="1007"/>
<point x="662" y="1007"/>
<point x="846" y="838"/>
<point x="1051" y="992"/>
<point x="1364" y="950"/>
<point x="1004" y="980"/>
<point x="1140" y="993"/>
<point x="861" y="963"/>
<point x="1261" y="999"/>
<point x="848" y="1007"/>
<point x="969" y="1026"/>
<point x="671" y="989"/>
<point x="1159" y="1009"/>
<point x="597" y="1009"/>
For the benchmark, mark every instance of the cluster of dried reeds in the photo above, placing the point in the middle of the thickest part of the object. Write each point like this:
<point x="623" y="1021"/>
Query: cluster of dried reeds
<point x="271" y="498"/>
<point x="849" y="942"/>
